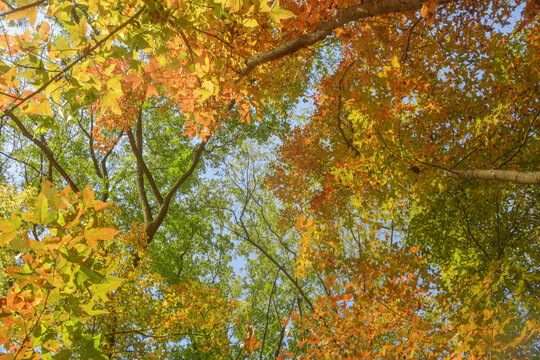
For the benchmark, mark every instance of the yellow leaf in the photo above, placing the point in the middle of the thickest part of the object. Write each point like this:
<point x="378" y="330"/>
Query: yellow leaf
<point x="35" y="108"/>
<point x="109" y="69"/>
<point x="232" y="5"/>
<point x="251" y="23"/>
<point x="263" y="6"/>
<point x="8" y="231"/>
<point x="395" y="62"/>
<point x="114" y="84"/>
<point x="204" y="94"/>
<point x="95" y="82"/>
<point x="94" y="235"/>
<point x="110" y="102"/>
<point x="81" y="76"/>
<point x="30" y="13"/>
<point x="278" y="14"/>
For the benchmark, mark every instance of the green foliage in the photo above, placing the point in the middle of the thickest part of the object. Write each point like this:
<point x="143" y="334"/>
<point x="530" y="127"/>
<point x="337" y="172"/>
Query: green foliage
<point x="64" y="274"/>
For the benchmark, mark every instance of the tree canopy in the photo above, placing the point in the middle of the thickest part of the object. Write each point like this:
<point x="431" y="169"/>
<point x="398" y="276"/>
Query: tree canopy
<point x="234" y="179"/>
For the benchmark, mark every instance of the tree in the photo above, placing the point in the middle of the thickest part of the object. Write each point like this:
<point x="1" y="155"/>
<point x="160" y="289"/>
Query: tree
<point x="415" y="97"/>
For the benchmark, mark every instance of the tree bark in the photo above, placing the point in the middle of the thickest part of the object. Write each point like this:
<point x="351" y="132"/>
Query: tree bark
<point x="532" y="178"/>
<point x="367" y="9"/>
<point x="154" y="225"/>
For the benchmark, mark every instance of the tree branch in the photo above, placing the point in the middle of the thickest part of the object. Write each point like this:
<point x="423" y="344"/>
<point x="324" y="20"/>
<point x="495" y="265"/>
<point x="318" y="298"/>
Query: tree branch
<point x="136" y="146"/>
<point x="143" y="199"/>
<point x="368" y="8"/>
<point x="267" y="315"/>
<point x="142" y="169"/>
<point x="282" y="332"/>
<point x="152" y="227"/>
<point x="532" y="178"/>
<point x="20" y="161"/>
<point x="271" y="258"/>
<point x="468" y="223"/>
<point x="44" y="148"/>
<point x="9" y="111"/>
<point x="21" y="8"/>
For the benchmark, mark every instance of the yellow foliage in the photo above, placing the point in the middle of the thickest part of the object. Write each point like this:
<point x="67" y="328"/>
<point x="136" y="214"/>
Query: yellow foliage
<point x="11" y="200"/>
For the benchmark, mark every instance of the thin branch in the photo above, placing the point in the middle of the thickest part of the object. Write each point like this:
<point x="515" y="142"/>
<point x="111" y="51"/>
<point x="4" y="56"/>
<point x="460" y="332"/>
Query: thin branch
<point x="282" y="333"/>
<point x="105" y="171"/>
<point x="44" y="148"/>
<point x="10" y="95"/>
<point x="339" y="122"/>
<point x="90" y="137"/>
<point x="269" y="227"/>
<point x="20" y="161"/>
<point x="525" y="138"/>
<point x="139" y="138"/>
<point x="214" y="36"/>
<point x="190" y="50"/>
<point x="247" y="237"/>
<point x="466" y="215"/>
<point x="28" y="6"/>
<point x="405" y="54"/>
<point x="268" y="314"/>
<point x="28" y="332"/>
<point x="464" y="158"/>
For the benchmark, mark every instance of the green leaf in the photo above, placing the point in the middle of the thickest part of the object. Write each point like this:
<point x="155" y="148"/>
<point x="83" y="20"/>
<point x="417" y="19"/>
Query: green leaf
<point x="101" y="290"/>
<point x="63" y="355"/>
<point x="91" y="348"/>
<point x="92" y="275"/>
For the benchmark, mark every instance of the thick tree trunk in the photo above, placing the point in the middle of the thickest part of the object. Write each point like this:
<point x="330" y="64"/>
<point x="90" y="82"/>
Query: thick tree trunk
<point x="500" y="175"/>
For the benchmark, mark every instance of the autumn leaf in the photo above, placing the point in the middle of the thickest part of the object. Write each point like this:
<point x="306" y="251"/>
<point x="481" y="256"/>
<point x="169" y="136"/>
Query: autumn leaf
<point x="277" y="14"/>
<point x="29" y="12"/>
<point x="8" y="231"/>
<point x="428" y="10"/>
<point x="94" y="235"/>
<point x="110" y="102"/>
